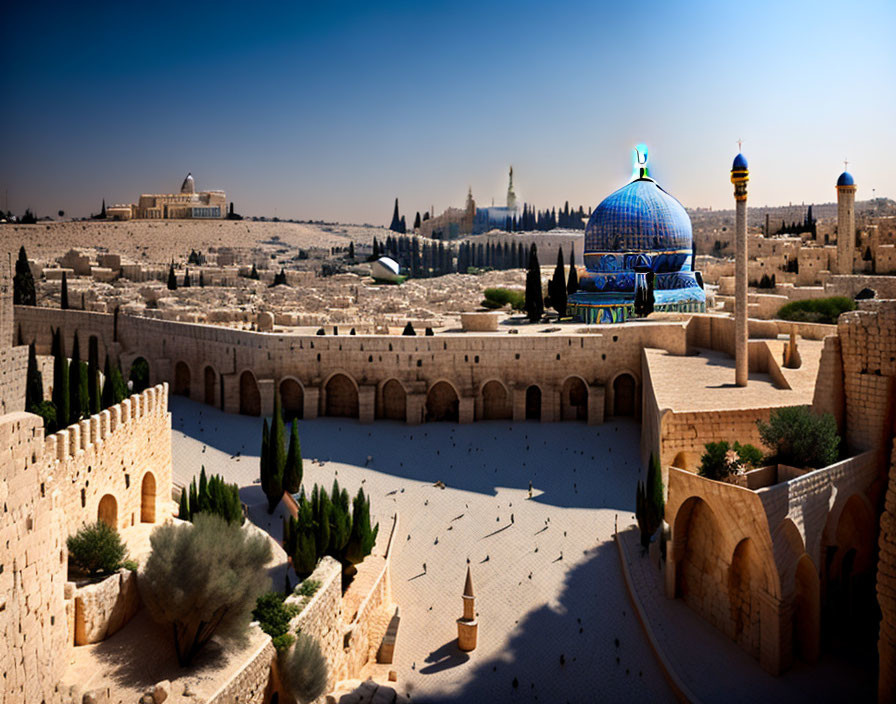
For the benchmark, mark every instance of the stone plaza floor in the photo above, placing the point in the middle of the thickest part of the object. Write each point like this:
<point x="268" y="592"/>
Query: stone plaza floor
<point x="556" y="622"/>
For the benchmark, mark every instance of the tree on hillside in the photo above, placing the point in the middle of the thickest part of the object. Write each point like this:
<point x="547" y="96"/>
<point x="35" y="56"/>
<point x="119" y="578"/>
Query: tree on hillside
<point x="114" y="388"/>
<point x="63" y="295"/>
<point x="340" y="521"/>
<point x="23" y="282"/>
<point x="534" y="298"/>
<point x="417" y="221"/>
<point x="172" y="278"/>
<point x="572" y="283"/>
<point x="272" y="479"/>
<point x="34" y="383"/>
<point x="216" y="594"/>
<point x="186" y="278"/>
<point x="557" y="286"/>
<point x="395" y="225"/>
<point x="292" y="474"/>
<point x="362" y="538"/>
<point x="93" y="375"/>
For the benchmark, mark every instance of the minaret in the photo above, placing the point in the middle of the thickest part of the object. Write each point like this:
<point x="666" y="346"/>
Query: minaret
<point x="511" y="196"/>
<point x="467" y="625"/>
<point x="846" y="221"/>
<point x="740" y="174"/>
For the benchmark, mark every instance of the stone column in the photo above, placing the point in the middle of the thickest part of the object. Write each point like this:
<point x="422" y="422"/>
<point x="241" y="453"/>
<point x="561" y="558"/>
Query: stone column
<point x="775" y="633"/>
<point x="846" y="225"/>
<point x="366" y="403"/>
<point x="519" y="404"/>
<point x="596" y="402"/>
<point x="739" y="177"/>
<point x="465" y="409"/>
<point x="310" y="401"/>
<point x="414" y="408"/>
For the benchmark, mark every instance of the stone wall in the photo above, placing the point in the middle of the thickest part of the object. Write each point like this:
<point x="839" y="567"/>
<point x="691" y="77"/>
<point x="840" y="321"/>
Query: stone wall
<point x="251" y="683"/>
<point x="886" y="592"/>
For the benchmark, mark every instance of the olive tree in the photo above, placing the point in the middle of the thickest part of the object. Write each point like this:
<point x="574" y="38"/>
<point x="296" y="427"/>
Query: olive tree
<point x="203" y="580"/>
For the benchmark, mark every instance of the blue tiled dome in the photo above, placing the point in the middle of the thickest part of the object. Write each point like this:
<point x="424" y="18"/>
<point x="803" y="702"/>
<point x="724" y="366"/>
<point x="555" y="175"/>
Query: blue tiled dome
<point x="740" y="162"/>
<point x="846" y="179"/>
<point x="639" y="217"/>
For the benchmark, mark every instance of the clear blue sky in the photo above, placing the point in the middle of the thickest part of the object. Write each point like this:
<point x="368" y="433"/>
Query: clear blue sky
<point x="330" y="110"/>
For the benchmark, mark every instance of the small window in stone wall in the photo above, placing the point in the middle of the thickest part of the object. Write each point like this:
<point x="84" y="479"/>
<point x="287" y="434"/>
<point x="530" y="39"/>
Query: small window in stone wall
<point x="127" y="481"/>
<point x="419" y="362"/>
<point x="83" y="498"/>
<point x="476" y="359"/>
<point x="517" y="355"/>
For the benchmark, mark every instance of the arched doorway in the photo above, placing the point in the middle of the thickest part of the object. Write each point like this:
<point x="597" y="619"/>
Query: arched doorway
<point x="341" y="397"/>
<point x="533" y="403"/>
<point x="624" y="395"/>
<point x="496" y="402"/>
<point x="292" y="399"/>
<point x="442" y="403"/>
<point x="250" y="396"/>
<point x="108" y="511"/>
<point x="698" y="542"/>
<point x="211" y="381"/>
<point x="744" y="579"/>
<point x="574" y="400"/>
<point x="394" y="401"/>
<point x="181" y="379"/>
<point x="148" y="499"/>
<point x="139" y="375"/>
<point x="807" y="611"/>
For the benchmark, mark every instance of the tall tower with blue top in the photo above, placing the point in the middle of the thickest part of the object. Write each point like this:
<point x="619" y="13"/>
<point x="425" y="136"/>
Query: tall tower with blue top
<point x="638" y="255"/>
<point x="846" y="222"/>
<point x="740" y="175"/>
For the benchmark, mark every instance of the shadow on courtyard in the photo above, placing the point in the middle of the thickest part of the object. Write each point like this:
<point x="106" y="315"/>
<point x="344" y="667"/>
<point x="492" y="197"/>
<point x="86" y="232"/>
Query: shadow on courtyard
<point x="566" y="462"/>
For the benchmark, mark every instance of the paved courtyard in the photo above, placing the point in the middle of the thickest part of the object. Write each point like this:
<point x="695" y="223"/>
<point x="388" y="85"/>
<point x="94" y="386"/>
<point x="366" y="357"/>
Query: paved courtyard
<point x="556" y="623"/>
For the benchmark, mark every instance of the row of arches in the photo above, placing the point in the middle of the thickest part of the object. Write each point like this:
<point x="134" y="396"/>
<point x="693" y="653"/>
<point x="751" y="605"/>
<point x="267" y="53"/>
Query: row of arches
<point x="831" y="595"/>
<point x="341" y="397"/>
<point x="107" y="510"/>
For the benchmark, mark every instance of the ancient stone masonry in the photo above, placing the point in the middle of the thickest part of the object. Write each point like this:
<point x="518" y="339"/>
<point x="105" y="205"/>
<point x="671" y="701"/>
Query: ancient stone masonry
<point x="886" y="592"/>
<point x="115" y="466"/>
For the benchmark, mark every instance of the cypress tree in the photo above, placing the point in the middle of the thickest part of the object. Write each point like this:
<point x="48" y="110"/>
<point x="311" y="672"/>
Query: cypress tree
<point x="276" y="457"/>
<point x="63" y="295"/>
<point x="119" y="387"/>
<point x="264" y="463"/>
<point x="34" y="383"/>
<point x="254" y="273"/>
<point x="93" y="376"/>
<point x="23" y="292"/>
<point x="417" y="221"/>
<point x="351" y="251"/>
<point x="74" y="382"/>
<point x="362" y="538"/>
<point x="395" y="225"/>
<point x="572" y="283"/>
<point x="304" y="557"/>
<point x="558" y="286"/>
<point x="408" y="329"/>
<point x="186" y="278"/>
<point x="292" y="475"/>
<point x="201" y="279"/>
<point x="376" y="249"/>
<point x="654" y="491"/>
<point x="534" y="304"/>
<point x="60" y="384"/>
<point x="183" y="512"/>
<point x="204" y="501"/>
<point x="108" y="396"/>
<point x="340" y="521"/>
<point x="194" y="499"/>
<point x="322" y="520"/>
<point x="172" y="278"/>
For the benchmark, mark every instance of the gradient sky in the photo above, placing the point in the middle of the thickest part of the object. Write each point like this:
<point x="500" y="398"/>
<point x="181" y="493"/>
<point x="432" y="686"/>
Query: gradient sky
<point x="330" y="110"/>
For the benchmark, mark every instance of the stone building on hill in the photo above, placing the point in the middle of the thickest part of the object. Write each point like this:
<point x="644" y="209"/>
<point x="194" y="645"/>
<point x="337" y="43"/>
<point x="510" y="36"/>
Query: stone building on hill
<point x="187" y="204"/>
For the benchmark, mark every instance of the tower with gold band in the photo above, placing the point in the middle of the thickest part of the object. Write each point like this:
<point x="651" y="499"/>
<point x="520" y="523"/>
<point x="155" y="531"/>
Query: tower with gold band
<point x="740" y="174"/>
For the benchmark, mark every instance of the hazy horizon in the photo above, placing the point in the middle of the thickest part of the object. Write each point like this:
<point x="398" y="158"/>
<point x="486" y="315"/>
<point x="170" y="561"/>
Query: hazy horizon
<point x="325" y="112"/>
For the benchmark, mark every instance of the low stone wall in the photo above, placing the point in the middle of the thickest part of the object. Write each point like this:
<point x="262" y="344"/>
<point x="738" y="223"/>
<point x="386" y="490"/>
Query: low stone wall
<point x="250" y="684"/>
<point x="104" y="608"/>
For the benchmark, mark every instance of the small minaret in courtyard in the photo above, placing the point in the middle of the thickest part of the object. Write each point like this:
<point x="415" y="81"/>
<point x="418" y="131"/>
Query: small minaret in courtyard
<point x="846" y="221"/>
<point x="740" y="174"/>
<point x="467" y="625"/>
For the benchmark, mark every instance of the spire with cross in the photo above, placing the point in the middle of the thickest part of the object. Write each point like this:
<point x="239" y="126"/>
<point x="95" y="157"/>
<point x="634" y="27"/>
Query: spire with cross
<point x="739" y="145"/>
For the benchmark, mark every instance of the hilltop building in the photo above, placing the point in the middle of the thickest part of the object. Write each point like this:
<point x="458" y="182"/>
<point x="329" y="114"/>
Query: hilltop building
<point x="186" y="205"/>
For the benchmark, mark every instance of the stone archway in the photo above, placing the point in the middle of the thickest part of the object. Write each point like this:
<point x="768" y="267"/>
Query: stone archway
<point x="148" y="499"/>
<point x="107" y="512"/>
<point x="807" y="611"/>
<point x="341" y="397"/>
<point x="744" y="581"/>
<point x="394" y="401"/>
<point x="138" y="375"/>
<point x="624" y="395"/>
<point x="181" y="380"/>
<point x="250" y="396"/>
<point x="442" y="403"/>
<point x="574" y="400"/>
<point x="292" y="399"/>
<point x="211" y="384"/>
<point x="533" y="403"/>
<point x="496" y="402"/>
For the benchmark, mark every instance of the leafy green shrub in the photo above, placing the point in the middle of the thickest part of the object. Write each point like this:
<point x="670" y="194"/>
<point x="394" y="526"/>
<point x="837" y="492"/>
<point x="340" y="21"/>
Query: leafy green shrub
<point x="96" y="549"/>
<point x="817" y="310"/>
<point x="800" y="438"/>
<point x="304" y="669"/>
<point x="500" y="297"/>
<point x="283" y="642"/>
<point x="719" y="460"/>
<point x="131" y="565"/>
<point x="212" y="495"/>
<point x="47" y="411"/>
<point x="202" y="579"/>
<point x="750" y="456"/>
<point x="273" y="616"/>
<point x="308" y="587"/>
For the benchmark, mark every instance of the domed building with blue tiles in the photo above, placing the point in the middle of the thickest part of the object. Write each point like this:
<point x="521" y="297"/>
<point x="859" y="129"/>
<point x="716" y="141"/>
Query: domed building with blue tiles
<point x="639" y="255"/>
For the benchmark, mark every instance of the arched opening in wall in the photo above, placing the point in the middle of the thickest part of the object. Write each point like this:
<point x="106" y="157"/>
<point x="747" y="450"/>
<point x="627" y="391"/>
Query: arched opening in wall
<point x="851" y="613"/>
<point x="496" y="402"/>
<point x="807" y="611"/>
<point x="250" y="396"/>
<point x="624" y="395"/>
<point x="342" y="397"/>
<point x="744" y="580"/>
<point x="442" y="403"/>
<point x="139" y="375"/>
<point x="210" y="386"/>
<point x="685" y="460"/>
<point x="533" y="403"/>
<point x="181" y="379"/>
<point x="574" y="400"/>
<point x="292" y="399"/>
<point x="108" y="511"/>
<point x="148" y="499"/>
<point x="393" y="402"/>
